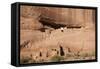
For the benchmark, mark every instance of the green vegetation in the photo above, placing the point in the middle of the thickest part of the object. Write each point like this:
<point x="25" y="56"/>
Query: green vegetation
<point x="92" y="54"/>
<point x="57" y="58"/>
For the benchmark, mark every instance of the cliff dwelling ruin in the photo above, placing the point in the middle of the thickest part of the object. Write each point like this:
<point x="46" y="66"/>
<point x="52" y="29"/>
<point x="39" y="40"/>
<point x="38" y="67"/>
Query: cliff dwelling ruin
<point x="52" y="34"/>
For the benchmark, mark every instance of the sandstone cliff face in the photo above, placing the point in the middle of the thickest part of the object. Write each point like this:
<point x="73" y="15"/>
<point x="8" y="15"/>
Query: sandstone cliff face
<point x="51" y="34"/>
<point x="68" y="16"/>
